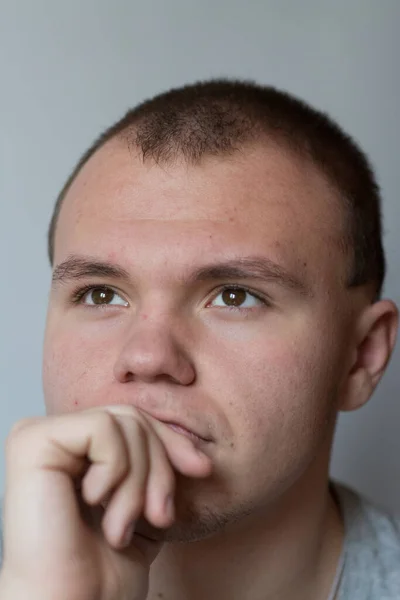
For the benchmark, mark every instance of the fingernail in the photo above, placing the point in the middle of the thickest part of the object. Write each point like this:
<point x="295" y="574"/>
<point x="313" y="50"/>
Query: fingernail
<point x="128" y="535"/>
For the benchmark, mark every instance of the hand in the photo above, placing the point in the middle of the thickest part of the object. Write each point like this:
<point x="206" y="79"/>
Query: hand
<point x="59" y="543"/>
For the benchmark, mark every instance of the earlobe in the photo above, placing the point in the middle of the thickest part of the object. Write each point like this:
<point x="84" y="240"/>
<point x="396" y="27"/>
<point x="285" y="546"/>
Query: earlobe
<point x="375" y="338"/>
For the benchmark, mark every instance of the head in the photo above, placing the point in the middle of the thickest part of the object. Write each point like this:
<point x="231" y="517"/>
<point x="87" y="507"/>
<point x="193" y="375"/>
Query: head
<point x="217" y="254"/>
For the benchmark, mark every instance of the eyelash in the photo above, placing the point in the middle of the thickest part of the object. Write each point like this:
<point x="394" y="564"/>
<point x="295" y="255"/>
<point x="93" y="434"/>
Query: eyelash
<point x="80" y="292"/>
<point x="244" y="289"/>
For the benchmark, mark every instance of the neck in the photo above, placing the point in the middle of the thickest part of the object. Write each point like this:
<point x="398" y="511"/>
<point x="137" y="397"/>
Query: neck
<point x="290" y="553"/>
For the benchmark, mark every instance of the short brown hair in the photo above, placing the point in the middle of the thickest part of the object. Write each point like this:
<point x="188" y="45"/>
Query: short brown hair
<point x="218" y="117"/>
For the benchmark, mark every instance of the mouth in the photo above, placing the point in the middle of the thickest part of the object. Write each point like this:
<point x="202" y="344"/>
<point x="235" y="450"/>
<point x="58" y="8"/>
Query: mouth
<point x="186" y="432"/>
<point x="180" y="427"/>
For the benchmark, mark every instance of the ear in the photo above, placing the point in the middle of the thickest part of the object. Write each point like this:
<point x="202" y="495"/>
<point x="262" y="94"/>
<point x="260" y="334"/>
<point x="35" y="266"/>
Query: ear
<point x="375" y="338"/>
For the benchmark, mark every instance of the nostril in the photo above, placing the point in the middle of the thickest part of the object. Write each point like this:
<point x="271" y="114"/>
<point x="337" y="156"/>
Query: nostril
<point x="129" y="376"/>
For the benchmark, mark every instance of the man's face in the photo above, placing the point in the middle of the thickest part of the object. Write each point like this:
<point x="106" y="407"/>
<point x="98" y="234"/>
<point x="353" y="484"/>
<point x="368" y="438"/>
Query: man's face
<point x="252" y="355"/>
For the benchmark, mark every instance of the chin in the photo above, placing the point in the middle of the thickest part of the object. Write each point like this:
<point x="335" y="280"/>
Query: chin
<point x="197" y="519"/>
<point x="184" y="532"/>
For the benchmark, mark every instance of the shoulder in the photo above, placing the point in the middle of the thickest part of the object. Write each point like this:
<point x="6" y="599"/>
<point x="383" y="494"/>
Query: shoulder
<point x="372" y="547"/>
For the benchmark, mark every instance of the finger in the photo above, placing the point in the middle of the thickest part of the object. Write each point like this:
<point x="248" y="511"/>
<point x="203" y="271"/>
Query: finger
<point x="182" y="452"/>
<point x="127" y="501"/>
<point x="159" y="504"/>
<point x="94" y="437"/>
<point x="148" y="487"/>
<point x="43" y="459"/>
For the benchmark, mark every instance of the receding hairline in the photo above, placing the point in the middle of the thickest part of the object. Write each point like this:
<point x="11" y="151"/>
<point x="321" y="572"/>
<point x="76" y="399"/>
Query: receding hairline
<point x="221" y="116"/>
<point x="340" y="238"/>
<point x="125" y="140"/>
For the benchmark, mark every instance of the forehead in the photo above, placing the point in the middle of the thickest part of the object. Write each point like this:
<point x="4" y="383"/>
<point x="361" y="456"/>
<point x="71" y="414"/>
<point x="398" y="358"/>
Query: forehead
<point x="261" y="199"/>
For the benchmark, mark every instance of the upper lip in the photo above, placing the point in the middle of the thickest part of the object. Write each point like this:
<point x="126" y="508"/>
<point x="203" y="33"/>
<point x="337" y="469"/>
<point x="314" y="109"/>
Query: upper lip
<point x="172" y="420"/>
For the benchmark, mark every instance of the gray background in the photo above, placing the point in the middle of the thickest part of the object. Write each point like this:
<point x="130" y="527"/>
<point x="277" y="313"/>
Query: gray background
<point x="68" y="69"/>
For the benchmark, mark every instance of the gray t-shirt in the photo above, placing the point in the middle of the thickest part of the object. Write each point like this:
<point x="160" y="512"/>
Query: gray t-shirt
<point x="371" y="550"/>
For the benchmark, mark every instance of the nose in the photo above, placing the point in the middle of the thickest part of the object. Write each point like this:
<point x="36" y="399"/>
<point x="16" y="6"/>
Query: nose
<point x="151" y="353"/>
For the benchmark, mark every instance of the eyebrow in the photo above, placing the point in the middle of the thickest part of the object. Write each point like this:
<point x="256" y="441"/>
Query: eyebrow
<point x="79" y="267"/>
<point x="252" y="267"/>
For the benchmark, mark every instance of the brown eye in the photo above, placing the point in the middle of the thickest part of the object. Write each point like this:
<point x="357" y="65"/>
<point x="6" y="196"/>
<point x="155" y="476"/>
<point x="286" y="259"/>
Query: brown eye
<point x="98" y="296"/>
<point x="233" y="297"/>
<point x="236" y="297"/>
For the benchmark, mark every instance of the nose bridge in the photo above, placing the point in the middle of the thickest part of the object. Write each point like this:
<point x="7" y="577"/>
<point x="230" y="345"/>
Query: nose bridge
<point x="152" y="333"/>
<point x="151" y="349"/>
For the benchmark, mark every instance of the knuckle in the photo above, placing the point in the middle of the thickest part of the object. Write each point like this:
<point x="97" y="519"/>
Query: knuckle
<point x="21" y="443"/>
<point x="18" y="433"/>
<point x="20" y="425"/>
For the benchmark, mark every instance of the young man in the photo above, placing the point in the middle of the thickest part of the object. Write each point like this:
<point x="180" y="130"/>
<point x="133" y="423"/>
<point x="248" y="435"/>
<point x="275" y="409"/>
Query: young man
<point x="215" y="302"/>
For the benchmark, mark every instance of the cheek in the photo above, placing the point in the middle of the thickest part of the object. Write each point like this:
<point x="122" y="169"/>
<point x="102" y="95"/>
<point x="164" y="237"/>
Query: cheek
<point x="277" y="393"/>
<point x="76" y="371"/>
<point x="279" y="406"/>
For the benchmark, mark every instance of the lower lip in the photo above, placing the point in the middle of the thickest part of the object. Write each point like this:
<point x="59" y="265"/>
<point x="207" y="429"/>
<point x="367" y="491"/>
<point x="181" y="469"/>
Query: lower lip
<point x="185" y="432"/>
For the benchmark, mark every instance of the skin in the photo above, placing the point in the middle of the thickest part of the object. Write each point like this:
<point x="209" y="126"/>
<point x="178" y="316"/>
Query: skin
<point x="265" y="379"/>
